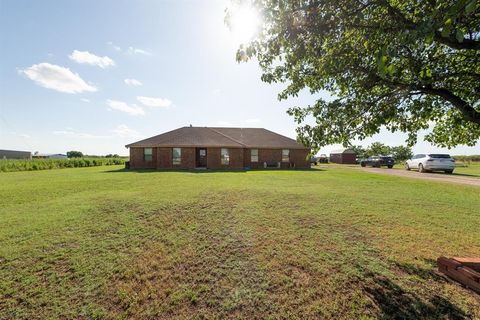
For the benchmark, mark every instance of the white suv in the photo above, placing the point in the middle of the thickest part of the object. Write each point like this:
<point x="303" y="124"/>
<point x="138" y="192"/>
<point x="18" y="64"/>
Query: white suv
<point x="431" y="162"/>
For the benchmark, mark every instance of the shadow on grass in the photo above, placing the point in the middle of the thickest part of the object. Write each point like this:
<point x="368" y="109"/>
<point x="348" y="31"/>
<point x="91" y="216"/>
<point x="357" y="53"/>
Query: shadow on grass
<point x="209" y="170"/>
<point x="395" y="303"/>
<point x="424" y="273"/>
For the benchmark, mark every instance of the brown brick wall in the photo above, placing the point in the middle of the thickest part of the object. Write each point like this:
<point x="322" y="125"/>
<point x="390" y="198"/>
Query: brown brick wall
<point x="164" y="158"/>
<point x="239" y="158"/>
<point x="343" y="158"/>
<point x="188" y="158"/>
<point x="299" y="158"/>
<point x="214" y="159"/>
<point x="137" y="162"/>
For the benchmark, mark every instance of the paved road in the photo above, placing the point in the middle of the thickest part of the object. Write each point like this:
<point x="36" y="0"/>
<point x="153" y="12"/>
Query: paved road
<point x="461" y="179"/>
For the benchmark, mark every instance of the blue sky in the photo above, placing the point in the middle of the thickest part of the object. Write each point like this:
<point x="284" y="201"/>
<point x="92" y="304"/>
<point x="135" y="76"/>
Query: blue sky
<point x="96" y="75"/>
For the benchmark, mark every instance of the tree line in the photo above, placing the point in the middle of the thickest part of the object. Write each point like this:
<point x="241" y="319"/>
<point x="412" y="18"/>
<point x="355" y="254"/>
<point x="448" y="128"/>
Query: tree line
<point x="399" y="153"/>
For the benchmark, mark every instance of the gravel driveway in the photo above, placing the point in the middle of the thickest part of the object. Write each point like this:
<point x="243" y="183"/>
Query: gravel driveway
<point x="473" y="181"/>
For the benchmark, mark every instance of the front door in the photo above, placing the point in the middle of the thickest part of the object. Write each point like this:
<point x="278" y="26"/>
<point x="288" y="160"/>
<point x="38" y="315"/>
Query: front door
<point x="201" y="158"/>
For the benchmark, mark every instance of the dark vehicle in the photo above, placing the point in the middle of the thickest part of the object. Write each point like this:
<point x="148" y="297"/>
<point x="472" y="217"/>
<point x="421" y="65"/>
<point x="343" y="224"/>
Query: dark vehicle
<point x="323" y="158"/>
<point x="378" y="161"/>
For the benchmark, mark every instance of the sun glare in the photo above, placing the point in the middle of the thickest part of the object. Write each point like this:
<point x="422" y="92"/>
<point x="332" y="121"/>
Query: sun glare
<point x="245" y="23"/>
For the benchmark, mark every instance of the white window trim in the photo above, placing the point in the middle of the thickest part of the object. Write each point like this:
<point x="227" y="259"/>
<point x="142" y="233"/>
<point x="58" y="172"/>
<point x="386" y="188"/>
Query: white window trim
<point x="288" y="160"/>
<point x="251" y="155"/>
<point x="222" y="157"/>
<point x="173" y="158"/>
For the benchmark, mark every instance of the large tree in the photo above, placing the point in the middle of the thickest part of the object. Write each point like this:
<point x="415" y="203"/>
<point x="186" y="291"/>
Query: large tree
<point x="400" y="64"/>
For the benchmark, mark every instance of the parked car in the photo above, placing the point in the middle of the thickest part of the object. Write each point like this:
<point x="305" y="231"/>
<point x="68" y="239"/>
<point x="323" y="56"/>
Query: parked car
<point x="431" y="162"/>
<point x="323" y="158"/>
<point x="314" y="160"/>
<point x="378" y="161"/>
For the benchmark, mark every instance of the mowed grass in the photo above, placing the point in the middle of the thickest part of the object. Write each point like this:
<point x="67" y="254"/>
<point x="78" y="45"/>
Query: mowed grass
<point x="100" y="243"/>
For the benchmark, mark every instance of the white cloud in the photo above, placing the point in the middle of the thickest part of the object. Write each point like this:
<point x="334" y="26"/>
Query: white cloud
<point x="117" y="48"/>
<point x="85" y="100"/>
<point x="132" y="50"/>
<point x="21" y="135"/>
<point x="123" y="131"/>
<point x="216" y="92"/>
<point x="154" y="102"/>
<point x="132" y="82"/>
<point x="254" y="120"/>
<point x="133" y="109"/>
<point x="223" y="123"/>
<point x="90" y="58"/>
<point x="57" y="78"/>
<point x="81" y="135"/>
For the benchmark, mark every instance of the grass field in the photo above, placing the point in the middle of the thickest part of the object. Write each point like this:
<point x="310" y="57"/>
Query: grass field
<point x="96" y="243"/>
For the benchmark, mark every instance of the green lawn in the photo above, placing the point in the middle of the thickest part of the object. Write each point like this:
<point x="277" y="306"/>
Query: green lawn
<point x="326" y="243"/>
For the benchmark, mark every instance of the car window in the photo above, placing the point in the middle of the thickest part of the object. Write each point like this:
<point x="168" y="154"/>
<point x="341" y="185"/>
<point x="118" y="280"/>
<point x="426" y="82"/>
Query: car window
<point x="439" y="156"/>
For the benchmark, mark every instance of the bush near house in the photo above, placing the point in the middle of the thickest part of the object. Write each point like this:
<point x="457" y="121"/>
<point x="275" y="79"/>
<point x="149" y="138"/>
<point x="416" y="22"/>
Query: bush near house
<point x="45" y="164"/>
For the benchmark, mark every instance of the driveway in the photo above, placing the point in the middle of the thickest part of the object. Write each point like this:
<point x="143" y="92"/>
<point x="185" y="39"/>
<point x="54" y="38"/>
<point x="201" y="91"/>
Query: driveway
<point x="460" y="179"/>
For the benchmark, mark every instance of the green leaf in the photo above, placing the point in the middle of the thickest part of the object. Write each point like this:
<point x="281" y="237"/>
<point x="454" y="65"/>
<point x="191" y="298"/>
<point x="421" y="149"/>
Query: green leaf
<point x="459" y="35"/>
<point x="391" y="69"/>
<point x="445" y="32"/>
<point x="471" y="7"/>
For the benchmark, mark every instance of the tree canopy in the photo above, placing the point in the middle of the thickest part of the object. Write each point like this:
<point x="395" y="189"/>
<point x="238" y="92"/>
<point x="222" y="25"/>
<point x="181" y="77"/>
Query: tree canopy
<point x="74" y="154"/>
<point x="400" y="64"/>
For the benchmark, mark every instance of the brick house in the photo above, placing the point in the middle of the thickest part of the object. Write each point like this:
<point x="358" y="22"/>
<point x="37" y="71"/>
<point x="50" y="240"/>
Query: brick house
<point x="218" y="148"/>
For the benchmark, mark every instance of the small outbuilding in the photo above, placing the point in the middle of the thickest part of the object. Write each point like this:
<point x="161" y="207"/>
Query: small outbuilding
<point x="50" y="156"/>
<point x="14" y="154"/>
<point x="343" y="156"/>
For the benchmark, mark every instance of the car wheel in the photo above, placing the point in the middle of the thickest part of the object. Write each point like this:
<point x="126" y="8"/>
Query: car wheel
<point x="448" y="171"/>
<point x="315" y="163"/>
<point x="390" y="167"/>
<point x="407" y="167"/>
<point x="421" y="168"/>
<point x="363" y="164"/>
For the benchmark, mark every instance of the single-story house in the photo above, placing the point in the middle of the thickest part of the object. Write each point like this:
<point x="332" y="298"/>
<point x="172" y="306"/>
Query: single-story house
<point x="13" y="154"/>
<point x="218" y="148"/>
<point x="343" y="156"/>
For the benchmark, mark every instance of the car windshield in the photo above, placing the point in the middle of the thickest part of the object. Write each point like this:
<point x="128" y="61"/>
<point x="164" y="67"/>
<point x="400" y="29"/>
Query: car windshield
<point x="439" y="156"/>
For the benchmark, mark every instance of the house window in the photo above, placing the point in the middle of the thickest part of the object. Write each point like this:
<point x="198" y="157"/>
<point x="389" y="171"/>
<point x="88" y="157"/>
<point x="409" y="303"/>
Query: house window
<point x="177" y="156"/>
<point x="147" y="154"/>
<point x="225" y="157"/>
<point x="254" y="155"/>
<point x="285" y="155"/>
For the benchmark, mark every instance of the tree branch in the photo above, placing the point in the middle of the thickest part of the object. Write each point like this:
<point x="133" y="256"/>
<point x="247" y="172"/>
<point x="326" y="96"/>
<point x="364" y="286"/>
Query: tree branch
<point x="468" y="112"/>
<point x="466" y="44"/>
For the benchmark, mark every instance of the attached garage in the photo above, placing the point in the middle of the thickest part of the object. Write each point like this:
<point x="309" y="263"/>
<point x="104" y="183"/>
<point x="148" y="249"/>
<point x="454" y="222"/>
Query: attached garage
<point x="343" y="156"/>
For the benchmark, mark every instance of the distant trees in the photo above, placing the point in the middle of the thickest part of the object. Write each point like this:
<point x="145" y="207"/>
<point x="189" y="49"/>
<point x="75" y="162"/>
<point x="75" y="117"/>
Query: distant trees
<point x="112" y="155"/>
<point x="74" y="154"/>
<point x="399" y="153"/>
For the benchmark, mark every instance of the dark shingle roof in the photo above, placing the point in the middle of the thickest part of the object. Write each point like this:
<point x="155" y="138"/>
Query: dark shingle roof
<point x="219" y="137"/>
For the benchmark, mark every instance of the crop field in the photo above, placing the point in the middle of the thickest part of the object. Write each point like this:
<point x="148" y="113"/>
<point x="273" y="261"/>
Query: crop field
<point x="47" y="164"/>
<point x="331" y="242"/>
